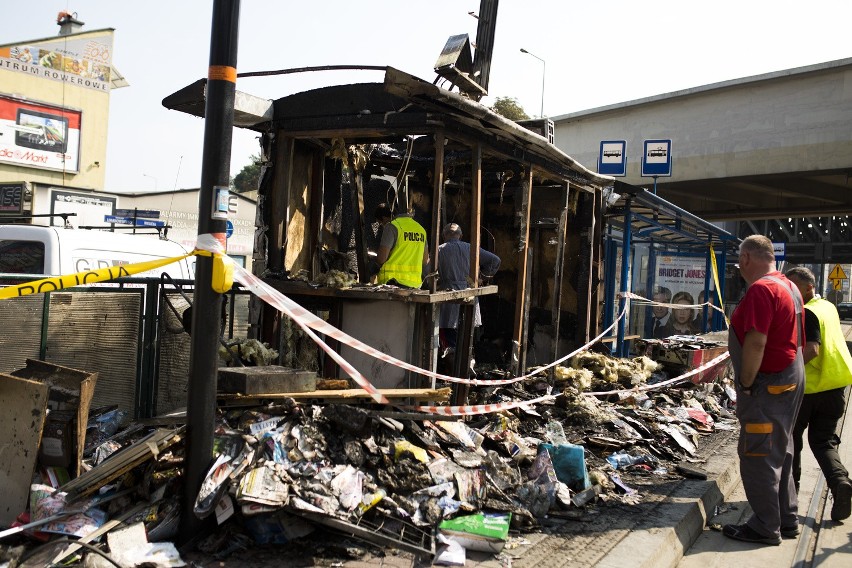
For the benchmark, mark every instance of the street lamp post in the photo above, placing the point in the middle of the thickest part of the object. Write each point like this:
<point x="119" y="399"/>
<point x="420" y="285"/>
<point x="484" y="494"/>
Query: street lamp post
<point x="543" y="73"/>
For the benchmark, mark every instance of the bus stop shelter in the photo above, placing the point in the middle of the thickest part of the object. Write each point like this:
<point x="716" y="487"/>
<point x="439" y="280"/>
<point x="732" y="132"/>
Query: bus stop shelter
<point x="649" y="240"/>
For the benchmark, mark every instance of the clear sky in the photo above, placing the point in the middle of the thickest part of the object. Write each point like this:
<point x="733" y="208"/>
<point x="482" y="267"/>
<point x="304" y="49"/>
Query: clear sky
<point x="596" y="52"/>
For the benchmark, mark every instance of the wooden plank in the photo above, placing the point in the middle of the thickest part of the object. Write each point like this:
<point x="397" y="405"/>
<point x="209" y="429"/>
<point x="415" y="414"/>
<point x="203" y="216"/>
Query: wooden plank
<point x="475" y="238"/>
<point x="122" y="462"/>
<point x="556" y="312"/>
<point x="356" y="188"/>
<point x="437" y="395"/>
<point x="24" y="404"/>
<point x="299" y="288"/>
<point x="437" y="199"/>
<point x="317" y="190"/>
<point x="518" y="348"/>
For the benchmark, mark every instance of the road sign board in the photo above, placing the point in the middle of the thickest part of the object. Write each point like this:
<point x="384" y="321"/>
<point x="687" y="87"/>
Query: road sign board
<point x="780" y="250"/>
<point x="837" y="284"/>
<point x="145" y="213"/>
<point x="657" y="158"/>
<point x="612" y="159"/>
<point x="837" y="274"/>
<point x="229" y="229"/>
<point x="129" y="221"/>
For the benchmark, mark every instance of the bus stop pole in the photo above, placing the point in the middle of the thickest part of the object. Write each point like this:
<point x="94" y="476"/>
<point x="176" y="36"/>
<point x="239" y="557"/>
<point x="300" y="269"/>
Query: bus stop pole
<point x="626" y="246"/>
<point x="213" y="204"/>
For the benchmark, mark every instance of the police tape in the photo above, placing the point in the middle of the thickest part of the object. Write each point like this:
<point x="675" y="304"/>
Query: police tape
<point x="299" y="315"/>
<point x="644" y="300"/>
<point x="307" y="321"/>
<point x="482" y="408"/>
<point x="56" y="283"/>
<point x="501" y="406"/>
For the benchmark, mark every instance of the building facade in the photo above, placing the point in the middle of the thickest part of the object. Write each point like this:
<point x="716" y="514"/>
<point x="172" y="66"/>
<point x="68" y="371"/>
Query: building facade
<point x="54" y="113"/>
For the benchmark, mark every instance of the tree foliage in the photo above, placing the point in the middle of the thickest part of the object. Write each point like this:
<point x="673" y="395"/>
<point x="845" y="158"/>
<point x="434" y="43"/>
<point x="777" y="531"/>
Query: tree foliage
<point x="508" y="107"/>
<point x="248" y="177"/>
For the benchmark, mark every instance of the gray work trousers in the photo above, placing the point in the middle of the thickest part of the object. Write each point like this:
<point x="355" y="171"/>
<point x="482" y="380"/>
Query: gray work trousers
<point x="765" y="449"/>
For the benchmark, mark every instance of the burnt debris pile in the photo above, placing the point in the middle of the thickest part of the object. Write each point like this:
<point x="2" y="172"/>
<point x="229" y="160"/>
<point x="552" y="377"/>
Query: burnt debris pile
<point x="394" y="477"/>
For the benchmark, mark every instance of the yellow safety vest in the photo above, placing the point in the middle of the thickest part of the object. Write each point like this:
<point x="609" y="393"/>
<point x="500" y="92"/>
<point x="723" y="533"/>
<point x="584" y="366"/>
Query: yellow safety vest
<point x="405" y="262"/>
<point x="832" y="368"/>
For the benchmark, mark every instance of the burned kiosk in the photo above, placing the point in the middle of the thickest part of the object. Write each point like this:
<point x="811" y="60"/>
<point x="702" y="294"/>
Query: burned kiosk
<point x="331" y="155"/>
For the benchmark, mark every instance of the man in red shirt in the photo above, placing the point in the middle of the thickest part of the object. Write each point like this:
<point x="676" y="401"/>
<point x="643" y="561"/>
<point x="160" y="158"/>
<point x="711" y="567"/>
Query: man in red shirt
<point x="765" y="342"/>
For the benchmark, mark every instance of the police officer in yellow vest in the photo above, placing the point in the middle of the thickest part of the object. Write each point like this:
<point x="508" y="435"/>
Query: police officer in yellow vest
<point x="403" y="250"/>
<point x="828" y="371"/>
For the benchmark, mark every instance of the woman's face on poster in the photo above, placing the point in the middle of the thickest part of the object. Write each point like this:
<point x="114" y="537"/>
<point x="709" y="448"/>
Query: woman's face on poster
<point x="683" y="315"/>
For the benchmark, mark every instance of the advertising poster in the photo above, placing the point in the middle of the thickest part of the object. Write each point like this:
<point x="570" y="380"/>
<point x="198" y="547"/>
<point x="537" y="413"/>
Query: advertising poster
<point x="39" y="136"/>
<point x="82" y="62"/>
<point x="683" y="276"/>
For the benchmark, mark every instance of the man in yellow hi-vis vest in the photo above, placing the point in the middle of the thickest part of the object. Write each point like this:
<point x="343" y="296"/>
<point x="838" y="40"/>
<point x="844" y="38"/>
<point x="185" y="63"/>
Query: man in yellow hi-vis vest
<point x="403" y="250"/>
<point x="828" y="371"/>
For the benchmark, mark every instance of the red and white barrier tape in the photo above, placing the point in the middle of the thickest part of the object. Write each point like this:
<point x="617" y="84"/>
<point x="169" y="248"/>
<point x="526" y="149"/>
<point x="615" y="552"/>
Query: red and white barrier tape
<point x="673" y="306"/>
<point x="307" y="321"/>
<point x="709" y="364"/>
<point x="475" y="409"/>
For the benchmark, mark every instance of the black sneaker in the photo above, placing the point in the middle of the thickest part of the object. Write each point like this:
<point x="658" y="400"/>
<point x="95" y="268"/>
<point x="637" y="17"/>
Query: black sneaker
<point x="790" y="532"/>
<point x="842" y="507"/>
<point x="747" y="534"/>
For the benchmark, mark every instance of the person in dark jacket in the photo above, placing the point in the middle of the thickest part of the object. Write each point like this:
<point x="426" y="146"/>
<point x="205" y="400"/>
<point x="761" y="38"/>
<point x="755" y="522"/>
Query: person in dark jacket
<point x="453" y="274"/>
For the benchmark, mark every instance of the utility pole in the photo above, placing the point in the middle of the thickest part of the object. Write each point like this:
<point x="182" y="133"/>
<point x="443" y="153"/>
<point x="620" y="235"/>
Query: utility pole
<point x="212" y="220"/>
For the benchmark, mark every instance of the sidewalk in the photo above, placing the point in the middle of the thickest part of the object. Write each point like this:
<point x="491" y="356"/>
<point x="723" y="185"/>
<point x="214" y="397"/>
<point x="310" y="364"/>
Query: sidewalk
<point x="824" y="542"/>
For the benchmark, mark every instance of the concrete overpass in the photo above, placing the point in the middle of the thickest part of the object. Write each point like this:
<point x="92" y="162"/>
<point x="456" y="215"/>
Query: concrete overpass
<point x="772" y="151"/>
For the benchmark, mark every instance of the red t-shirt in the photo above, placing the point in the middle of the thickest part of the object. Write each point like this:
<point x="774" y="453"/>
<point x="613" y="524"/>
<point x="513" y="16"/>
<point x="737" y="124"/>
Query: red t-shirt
<point x="769" y="309"/>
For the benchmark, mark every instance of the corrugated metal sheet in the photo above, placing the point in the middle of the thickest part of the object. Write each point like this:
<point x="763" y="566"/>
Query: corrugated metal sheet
<point x="98" y="332"/>
<point x="173" y="373"/>
<point x="22" y="340"/>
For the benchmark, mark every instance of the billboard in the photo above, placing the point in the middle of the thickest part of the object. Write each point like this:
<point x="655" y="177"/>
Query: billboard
<point x="89" y="207"/>
<point x="82" y="62"/>
<point x="39" y="136"/>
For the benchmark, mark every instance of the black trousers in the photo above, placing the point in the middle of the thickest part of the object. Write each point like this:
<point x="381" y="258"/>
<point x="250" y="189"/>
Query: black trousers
<point x="820" y="413"/>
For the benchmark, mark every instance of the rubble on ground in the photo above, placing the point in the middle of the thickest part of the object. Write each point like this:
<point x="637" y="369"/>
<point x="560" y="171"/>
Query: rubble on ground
<point x="389" y="477"/>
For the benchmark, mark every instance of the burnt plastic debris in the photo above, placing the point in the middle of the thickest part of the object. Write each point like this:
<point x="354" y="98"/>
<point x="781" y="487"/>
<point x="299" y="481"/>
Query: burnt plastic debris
<point x="280" y="469"/>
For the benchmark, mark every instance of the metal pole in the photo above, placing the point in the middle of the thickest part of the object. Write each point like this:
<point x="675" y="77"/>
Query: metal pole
<point x="626" y="245"/>
<point x="207" y="304"/>
<point x="543" y="75"/>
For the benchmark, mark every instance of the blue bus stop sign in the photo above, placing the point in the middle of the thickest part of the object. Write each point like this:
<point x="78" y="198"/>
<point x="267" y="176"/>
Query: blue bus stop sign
<point x="612" y="159"/>
<point x="657" y="158"/>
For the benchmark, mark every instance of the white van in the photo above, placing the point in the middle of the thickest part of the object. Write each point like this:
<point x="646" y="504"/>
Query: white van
<point x="55" y="251"/>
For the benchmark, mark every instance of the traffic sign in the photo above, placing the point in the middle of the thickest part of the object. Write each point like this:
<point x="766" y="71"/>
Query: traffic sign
<point x="837" y="273"/>
<point x="229" y="229"/>
<point x="657" y="158"/>
<point x="612" y="159"/>
<point x="146" y="213"/>
<point x="129" y="221"/>
<point x="780" y="250"/>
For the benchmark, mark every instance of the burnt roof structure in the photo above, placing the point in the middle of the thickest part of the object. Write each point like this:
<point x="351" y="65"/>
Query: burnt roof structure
<point x="331" y="154"/>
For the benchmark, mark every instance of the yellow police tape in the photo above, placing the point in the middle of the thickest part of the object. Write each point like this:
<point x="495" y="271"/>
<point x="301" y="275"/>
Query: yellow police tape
<point x="105" y="274"/>
<point x="715" y="269"/>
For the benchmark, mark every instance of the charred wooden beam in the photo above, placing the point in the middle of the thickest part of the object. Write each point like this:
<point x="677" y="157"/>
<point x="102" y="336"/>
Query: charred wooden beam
<point x="437" y="200"/>
<point x="356" y="187"/>
<point x="475" y="213"/>
<point x="522" y="211"/>
<point x="317" y="190"/>
<point x="561" y="233"/>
